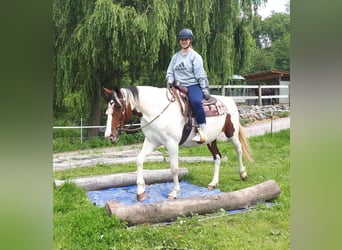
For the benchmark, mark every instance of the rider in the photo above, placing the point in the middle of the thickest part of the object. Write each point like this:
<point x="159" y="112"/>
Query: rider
<point x="186" y="67"/>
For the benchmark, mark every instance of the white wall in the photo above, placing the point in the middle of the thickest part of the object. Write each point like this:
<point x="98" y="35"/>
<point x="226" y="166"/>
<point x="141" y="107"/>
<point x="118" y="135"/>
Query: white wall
<point x="284" y="92"/>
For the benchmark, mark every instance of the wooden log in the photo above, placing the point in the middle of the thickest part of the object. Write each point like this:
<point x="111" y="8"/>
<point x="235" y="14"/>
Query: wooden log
<point x="169" y="210"/>
<point x="123" y="179"/>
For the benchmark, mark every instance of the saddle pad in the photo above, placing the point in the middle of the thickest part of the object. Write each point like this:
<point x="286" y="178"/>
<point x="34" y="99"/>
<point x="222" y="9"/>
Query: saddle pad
<point x="213" y="109"/>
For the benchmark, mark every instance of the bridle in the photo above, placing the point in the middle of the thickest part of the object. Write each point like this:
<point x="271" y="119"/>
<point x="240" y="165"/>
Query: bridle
<point x="125" y="113"/>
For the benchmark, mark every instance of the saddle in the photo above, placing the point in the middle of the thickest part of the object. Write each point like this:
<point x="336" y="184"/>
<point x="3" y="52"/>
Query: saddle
<point x="212" y="107"/>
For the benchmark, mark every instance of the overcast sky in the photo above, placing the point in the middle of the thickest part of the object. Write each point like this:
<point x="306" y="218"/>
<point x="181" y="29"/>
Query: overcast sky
<point x="272" y="5"/>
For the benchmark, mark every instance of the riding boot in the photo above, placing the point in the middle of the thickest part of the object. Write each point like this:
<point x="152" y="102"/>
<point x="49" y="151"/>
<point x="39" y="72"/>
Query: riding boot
<point x="200" y="137"/>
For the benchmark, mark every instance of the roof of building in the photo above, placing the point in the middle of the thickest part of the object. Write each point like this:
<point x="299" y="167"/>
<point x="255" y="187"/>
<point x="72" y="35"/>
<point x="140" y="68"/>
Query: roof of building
<point x="267" y="75"/>
<point x="237" y="77"/>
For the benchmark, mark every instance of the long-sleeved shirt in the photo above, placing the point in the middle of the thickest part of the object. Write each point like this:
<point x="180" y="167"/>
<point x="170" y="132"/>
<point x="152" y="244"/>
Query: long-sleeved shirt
<point x="187" y="69"/>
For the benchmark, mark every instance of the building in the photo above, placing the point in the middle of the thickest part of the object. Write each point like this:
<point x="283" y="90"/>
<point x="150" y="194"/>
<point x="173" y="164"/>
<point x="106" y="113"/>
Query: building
<point x="269" y="77"/>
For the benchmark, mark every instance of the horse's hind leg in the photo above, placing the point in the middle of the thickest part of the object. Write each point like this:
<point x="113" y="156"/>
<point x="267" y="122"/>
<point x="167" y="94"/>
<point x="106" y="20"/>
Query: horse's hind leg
<point x="217" y="159"/>
<point x="147" y="148"/>
<point x="238" y="148"/>
<point x="233" y="135"/>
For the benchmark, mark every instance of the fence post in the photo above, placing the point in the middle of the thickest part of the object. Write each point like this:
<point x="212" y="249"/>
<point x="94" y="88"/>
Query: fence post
<point x="81" y="130"/>
<point x="259" y="95"/>
<point x="223" y="90"/>
<point x="271" y="122"/>
<point x="288" y="95"/>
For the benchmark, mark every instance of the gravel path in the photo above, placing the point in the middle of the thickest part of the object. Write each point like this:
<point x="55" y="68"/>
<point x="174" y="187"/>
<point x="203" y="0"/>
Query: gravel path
<point x="260" y="128"/>
<point x="125" y="154"/>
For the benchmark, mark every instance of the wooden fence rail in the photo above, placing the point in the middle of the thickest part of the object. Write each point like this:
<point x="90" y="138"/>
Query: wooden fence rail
<point x="223" y="89"/>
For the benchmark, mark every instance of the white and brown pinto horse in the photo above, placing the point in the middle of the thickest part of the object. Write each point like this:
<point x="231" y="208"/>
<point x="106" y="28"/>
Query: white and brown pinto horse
<point x="162" y="123"/>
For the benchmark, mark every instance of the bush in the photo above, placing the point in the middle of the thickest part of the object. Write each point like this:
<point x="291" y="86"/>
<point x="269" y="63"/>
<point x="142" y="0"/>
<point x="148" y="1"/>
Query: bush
<point x="64" y="133"/>
<point x="132" y="138"/>
<point x="282" y="114"/>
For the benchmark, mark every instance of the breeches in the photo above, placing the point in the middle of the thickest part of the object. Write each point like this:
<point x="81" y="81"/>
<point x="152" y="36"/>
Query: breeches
<point x="195" y="97"/>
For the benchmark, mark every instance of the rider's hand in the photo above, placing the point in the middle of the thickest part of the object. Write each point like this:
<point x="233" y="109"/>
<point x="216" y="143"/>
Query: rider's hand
<point x="169" y="84"/>
<point x="206" y="94"/>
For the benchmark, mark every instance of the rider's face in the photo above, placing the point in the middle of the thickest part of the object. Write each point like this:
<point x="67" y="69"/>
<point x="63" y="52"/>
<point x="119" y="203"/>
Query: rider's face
<point x="185" y="42"/>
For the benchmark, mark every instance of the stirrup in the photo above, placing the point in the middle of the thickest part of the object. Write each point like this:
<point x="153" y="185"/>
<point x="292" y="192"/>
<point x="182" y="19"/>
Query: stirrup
<point x="199" y="137"/>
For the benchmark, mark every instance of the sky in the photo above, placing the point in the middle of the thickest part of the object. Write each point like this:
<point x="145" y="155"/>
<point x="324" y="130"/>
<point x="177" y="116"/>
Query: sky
<point x="272" y="5"/>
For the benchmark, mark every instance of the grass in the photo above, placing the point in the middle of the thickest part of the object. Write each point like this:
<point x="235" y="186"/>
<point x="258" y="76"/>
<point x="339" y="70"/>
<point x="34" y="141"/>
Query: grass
<point x="80" y="225"/>
<point x="67" y="140"/>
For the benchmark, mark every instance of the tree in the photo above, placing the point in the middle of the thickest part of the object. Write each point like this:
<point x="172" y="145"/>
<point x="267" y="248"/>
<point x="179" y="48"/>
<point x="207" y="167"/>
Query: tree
<point x="276" y="26"/>
<point x="101" y="46"/>
<point x="272" y="39"/>
<point x="130" y="42"/>
<point x="281" y="51"/>
<point x="263" y="59"/>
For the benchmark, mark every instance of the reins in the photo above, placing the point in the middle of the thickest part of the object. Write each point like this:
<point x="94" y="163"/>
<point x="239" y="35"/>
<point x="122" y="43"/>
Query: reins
<point x="171" y="100"/>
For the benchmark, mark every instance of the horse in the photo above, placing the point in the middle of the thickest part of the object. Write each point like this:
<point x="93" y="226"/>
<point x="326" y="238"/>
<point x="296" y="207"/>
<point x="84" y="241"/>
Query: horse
<point x="162" y="122"/>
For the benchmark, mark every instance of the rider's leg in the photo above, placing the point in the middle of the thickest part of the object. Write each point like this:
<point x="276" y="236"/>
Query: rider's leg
<point x="195" y="97"/>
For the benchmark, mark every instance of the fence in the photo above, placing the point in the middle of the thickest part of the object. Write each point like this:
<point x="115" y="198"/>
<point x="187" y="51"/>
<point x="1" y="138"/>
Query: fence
<point x="81" y="128"/>
<point x="242" y="97"/>
<point x="214" y="89"/>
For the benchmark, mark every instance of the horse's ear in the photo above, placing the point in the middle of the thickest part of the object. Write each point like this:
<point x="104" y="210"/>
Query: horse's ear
<point x="108" y="92"/>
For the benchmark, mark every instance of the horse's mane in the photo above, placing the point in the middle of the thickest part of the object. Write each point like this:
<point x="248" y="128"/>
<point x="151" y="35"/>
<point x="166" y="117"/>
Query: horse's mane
<point x="132" y="95"/>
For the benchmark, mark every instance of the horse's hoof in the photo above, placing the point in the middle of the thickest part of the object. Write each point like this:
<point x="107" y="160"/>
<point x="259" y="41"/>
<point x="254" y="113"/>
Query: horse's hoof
<point x="171" y="197"/>
<point x="142" y="196"/>
<point x="244" y="176"/>
<point x="211" y="187"/>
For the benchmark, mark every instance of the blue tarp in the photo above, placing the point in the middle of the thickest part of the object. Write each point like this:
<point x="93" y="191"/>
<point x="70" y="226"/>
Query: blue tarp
<point x="155" y="193"/>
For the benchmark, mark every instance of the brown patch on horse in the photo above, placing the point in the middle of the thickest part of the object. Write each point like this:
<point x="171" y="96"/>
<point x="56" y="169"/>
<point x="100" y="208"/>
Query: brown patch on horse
<point x="129" y="112"/>
<point x="214" y="149"/>
<point x="228" y="127"/>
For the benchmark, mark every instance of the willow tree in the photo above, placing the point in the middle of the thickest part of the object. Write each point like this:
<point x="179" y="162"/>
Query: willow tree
<point x="191" y="14"/>
<point x="116" y="43"/>
<point x="100" y="44"/>
<point x="231" y="39"/>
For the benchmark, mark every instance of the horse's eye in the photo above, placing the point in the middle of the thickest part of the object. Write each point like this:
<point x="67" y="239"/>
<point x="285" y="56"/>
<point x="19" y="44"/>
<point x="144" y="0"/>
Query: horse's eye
<point x="117" y="108"/>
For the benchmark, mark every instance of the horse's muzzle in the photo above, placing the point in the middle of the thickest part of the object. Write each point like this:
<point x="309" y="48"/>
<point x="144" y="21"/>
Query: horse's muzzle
<point x="113" y="138"/>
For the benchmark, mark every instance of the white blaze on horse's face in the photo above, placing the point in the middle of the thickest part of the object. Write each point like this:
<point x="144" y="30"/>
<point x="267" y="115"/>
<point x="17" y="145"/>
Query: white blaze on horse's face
<point x="109" y="133"/>
<point x="109" y="113"/>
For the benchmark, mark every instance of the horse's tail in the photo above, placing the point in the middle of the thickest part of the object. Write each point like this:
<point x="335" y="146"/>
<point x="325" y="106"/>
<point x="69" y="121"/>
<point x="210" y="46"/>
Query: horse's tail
<point x="245" y="145"/>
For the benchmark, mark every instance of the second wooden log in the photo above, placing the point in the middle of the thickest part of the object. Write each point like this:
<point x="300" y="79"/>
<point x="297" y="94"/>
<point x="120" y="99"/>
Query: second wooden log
<point x="123" y="179"/>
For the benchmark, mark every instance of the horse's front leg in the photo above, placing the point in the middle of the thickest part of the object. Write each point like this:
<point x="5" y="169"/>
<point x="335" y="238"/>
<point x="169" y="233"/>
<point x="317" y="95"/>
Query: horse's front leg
<point x="147" y="148"/>
<point x="173" y="154"/>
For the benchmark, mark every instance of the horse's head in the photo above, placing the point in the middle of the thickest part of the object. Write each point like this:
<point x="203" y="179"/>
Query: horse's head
<point x="117" y="114"/>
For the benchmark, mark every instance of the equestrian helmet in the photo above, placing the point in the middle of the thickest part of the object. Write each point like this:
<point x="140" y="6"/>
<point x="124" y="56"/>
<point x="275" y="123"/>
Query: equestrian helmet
<point x="185" y="33"/>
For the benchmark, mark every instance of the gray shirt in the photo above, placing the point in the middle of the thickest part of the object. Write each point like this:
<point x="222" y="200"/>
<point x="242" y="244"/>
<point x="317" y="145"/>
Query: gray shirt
<point x="187" y="69"/>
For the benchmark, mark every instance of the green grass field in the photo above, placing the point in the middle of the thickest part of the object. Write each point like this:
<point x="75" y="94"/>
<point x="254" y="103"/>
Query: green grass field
<point x="80" y="225"/>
